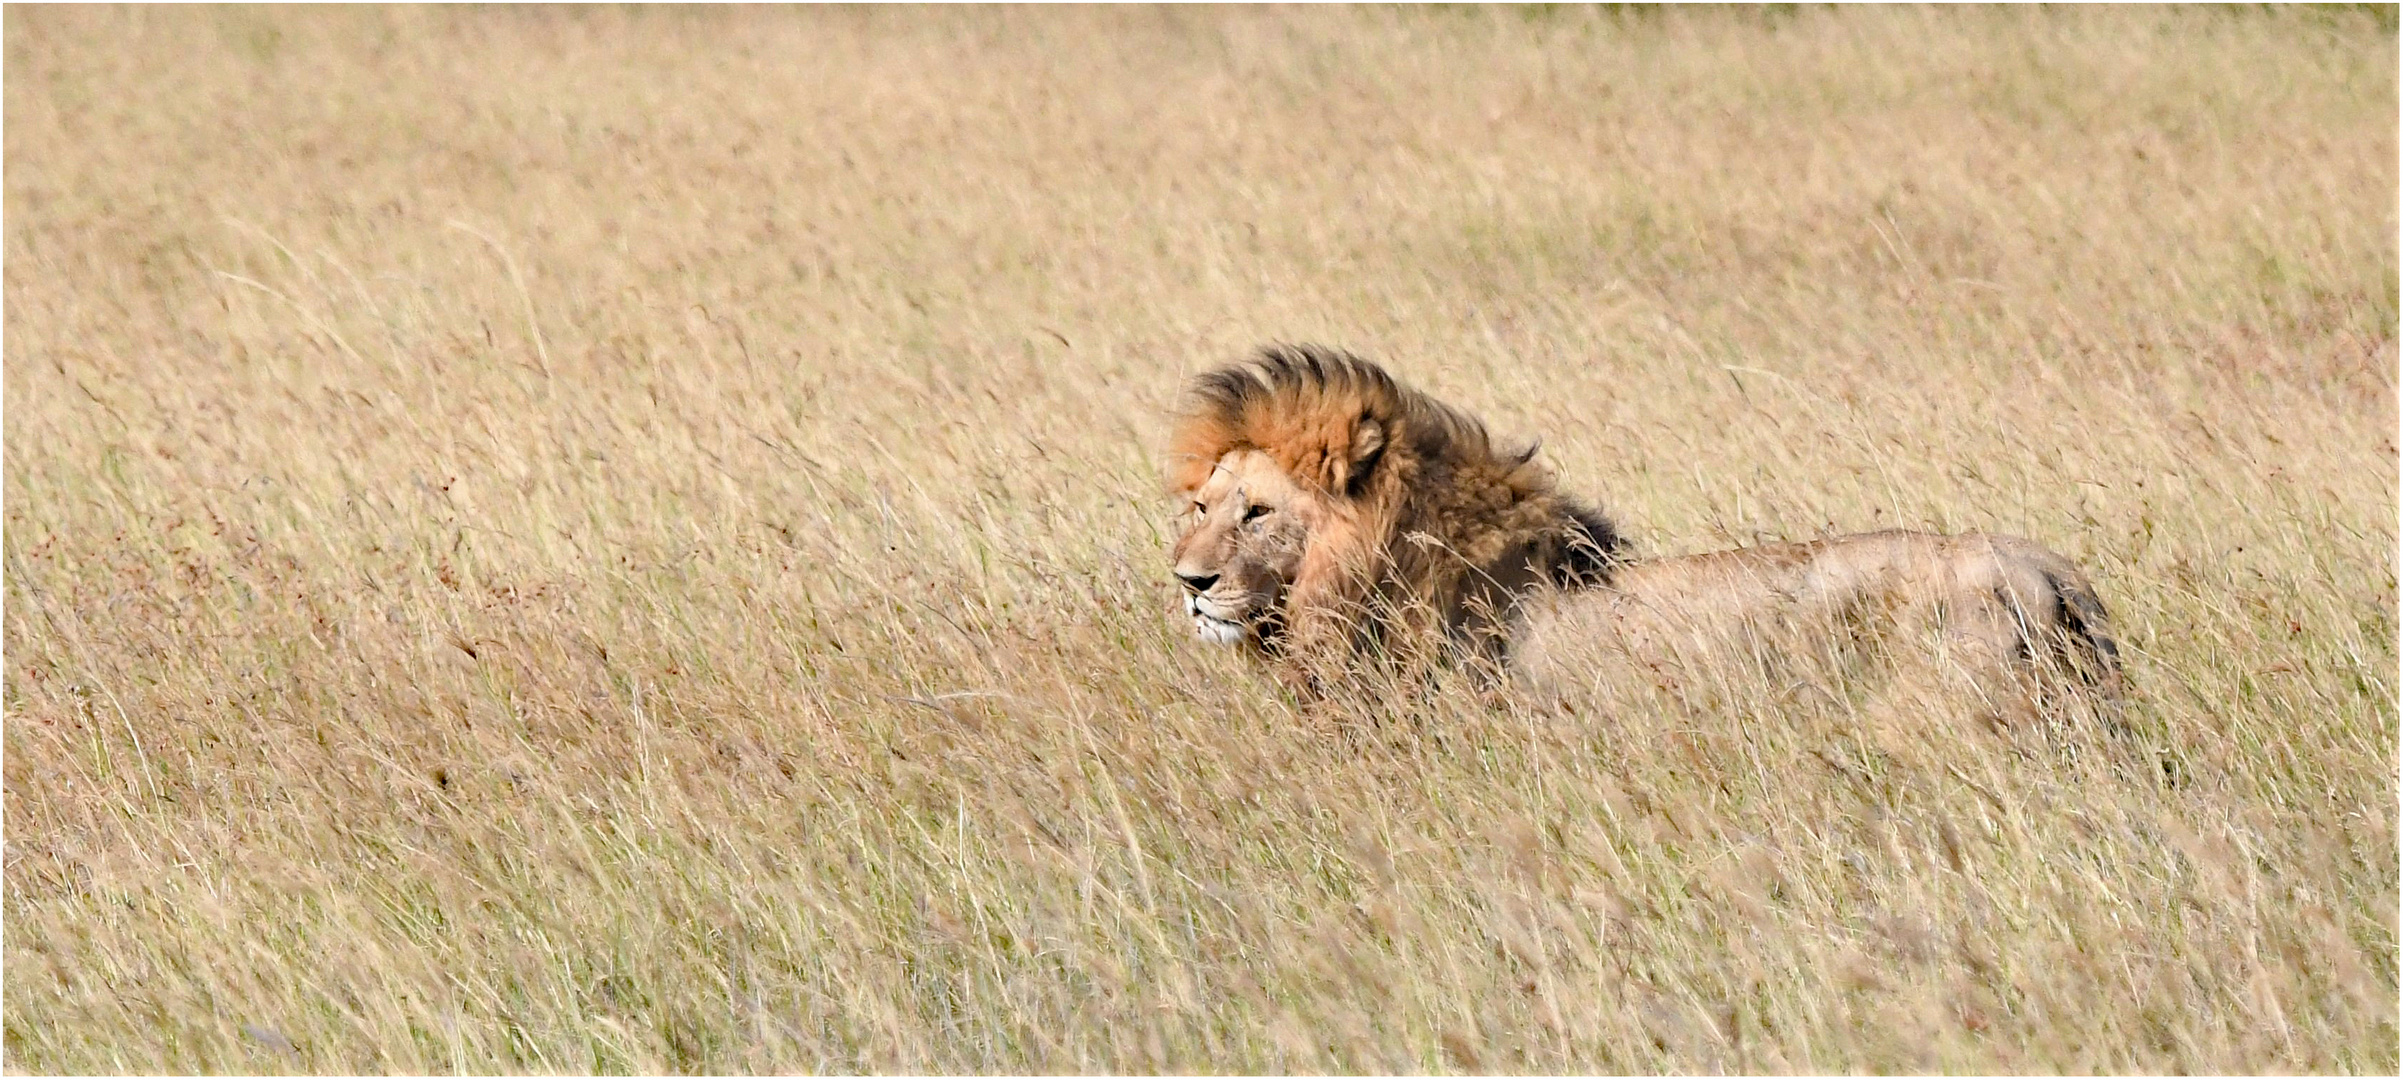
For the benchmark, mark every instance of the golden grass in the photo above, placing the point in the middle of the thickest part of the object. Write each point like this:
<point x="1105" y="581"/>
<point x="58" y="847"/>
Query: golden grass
<point x="629" y="540"/>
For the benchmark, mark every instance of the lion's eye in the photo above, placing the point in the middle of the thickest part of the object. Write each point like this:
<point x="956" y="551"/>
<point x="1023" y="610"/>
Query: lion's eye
<point x="1200" y="511"/>
<point x="1254" y="512"/>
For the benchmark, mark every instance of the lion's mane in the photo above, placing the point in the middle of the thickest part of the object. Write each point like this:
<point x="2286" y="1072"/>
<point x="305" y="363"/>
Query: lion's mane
<point x="1428" y="523"/>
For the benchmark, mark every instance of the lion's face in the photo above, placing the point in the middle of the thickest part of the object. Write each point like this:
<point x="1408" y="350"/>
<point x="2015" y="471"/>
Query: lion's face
<point x="1245" y="534"/>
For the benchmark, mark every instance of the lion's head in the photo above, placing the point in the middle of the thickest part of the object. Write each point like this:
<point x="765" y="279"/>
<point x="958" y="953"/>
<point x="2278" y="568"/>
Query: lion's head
<point x="1328" y="504"/>
<point x="1249" y="528"/>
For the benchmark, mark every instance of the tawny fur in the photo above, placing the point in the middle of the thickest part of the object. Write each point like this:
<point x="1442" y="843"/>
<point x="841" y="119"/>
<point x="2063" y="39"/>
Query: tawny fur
<point x="1992" y="609"/>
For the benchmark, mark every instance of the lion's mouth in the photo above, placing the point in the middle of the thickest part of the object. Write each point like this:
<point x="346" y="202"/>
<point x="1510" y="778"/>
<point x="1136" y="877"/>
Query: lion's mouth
<point x="1209" y="626"/>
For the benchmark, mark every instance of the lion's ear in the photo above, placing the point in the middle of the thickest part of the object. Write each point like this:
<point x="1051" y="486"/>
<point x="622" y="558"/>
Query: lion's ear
<point x="1368" y="441"/>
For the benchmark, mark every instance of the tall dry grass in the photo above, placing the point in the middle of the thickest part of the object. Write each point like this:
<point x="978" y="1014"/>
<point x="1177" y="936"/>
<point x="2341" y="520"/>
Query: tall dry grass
<point x="629" y="540"/>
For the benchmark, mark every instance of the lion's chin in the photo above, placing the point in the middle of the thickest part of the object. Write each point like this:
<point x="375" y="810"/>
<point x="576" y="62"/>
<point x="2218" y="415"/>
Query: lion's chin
<point x="1217" y="631"/>
<point x="1209" y="627"/>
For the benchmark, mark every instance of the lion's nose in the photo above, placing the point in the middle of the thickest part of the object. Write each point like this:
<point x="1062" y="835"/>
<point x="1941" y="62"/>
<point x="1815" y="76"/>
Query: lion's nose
<point x="1199" y="583"/>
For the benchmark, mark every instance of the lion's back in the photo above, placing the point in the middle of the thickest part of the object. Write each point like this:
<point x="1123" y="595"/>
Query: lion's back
<point x="2005" y="597"/>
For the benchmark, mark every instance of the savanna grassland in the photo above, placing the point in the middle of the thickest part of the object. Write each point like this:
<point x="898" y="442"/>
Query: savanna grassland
<point x="563" y="540"/>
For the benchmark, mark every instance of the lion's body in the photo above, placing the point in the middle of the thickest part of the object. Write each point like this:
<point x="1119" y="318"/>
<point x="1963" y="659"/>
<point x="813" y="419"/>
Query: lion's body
<point x="1337" y="515"/>
<point x="1985" y="606"/>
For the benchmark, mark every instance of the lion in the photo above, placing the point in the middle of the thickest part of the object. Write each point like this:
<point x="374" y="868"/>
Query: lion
<point x="1336" y="515"/>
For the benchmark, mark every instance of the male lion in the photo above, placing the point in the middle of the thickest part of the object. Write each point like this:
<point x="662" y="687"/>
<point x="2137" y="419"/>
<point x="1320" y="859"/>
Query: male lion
<point x="1337" y="514"/>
